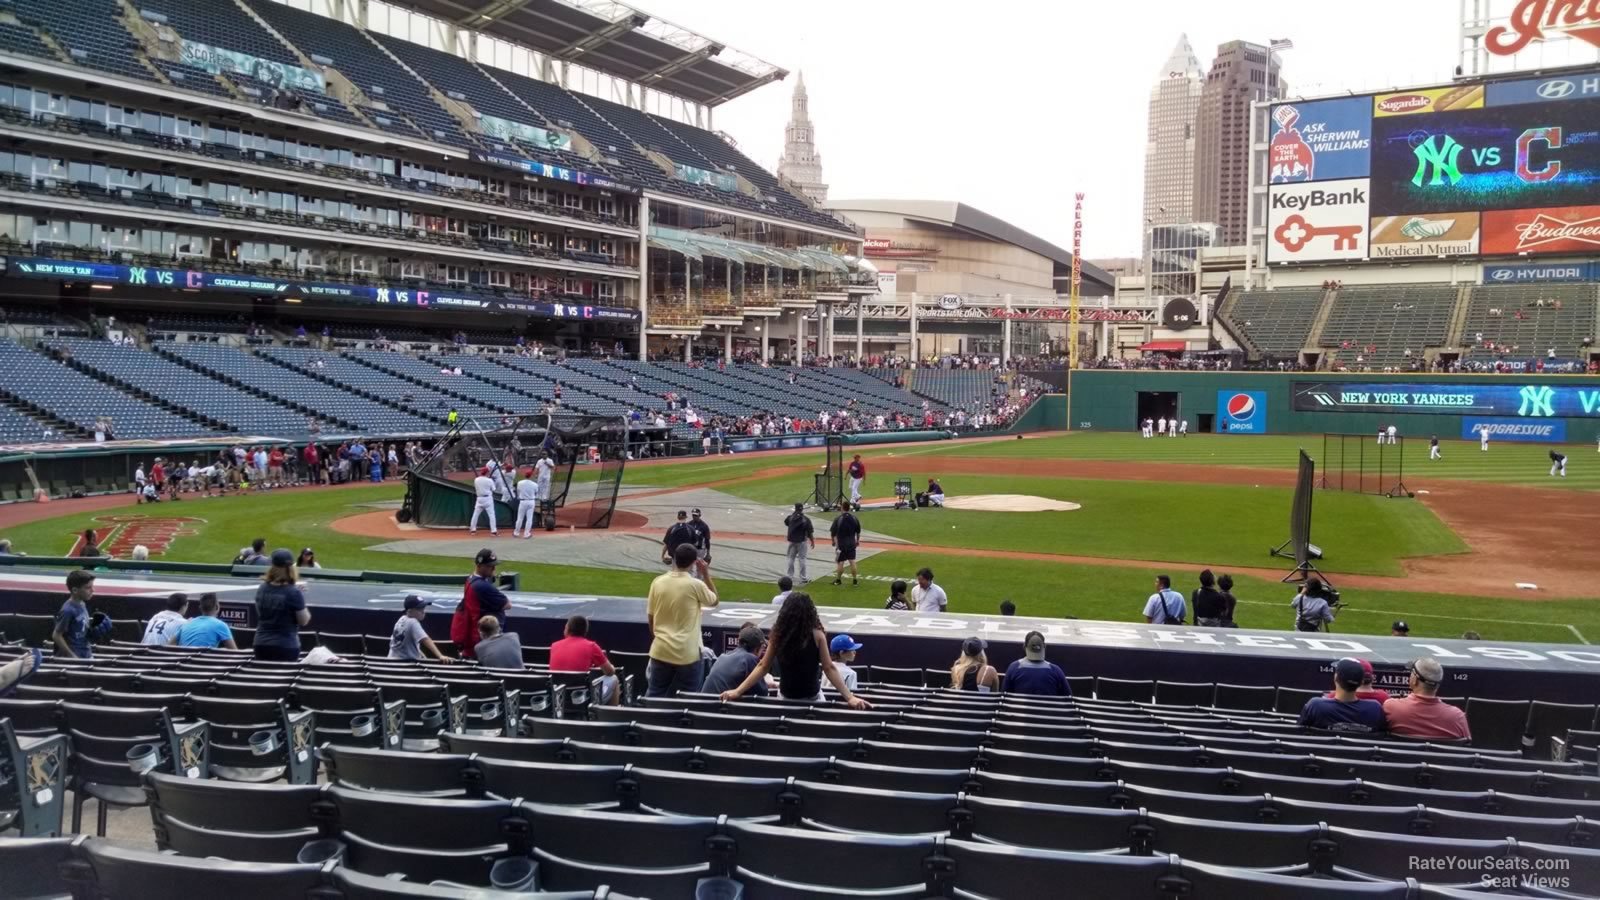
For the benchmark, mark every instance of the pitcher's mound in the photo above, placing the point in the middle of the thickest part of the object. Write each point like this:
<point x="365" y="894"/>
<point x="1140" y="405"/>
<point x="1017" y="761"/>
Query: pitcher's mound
<point x="1009" y="503"/>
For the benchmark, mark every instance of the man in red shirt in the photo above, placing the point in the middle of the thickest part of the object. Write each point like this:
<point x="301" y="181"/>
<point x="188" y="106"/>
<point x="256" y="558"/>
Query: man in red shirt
<point x="158" y="475"/>
<point x="576" y="653"/>
<point x="313" y="461"/>
<point x="1367" y="691"/>
<point x="275" y="465"/>
<point x="481" y="597"/>
<point x="1422" y="714"/>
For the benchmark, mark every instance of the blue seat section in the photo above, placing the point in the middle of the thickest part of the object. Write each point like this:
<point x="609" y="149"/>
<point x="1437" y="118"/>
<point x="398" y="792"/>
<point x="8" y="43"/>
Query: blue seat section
<point x="968" y="389"/>
<point x="91" y="31"/>
<point x="333" y="403"/>
<point x="142" y="371"/>
<point x="462" y="387"/>
<point x="58" y="390"/>
<point x="380" y="386"/>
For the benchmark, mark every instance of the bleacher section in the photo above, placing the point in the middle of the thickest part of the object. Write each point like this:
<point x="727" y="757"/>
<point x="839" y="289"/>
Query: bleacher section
<point x="1274" y="324"/>
<point x="90" y="31"/>
<point x="1139" y="788"/>
<point x="373" y="384"/>
<point x="1534" y="318"/>
<point x="1391" y="319"/>
<point x="50" y="388"/>
<point x="967" y="389"/>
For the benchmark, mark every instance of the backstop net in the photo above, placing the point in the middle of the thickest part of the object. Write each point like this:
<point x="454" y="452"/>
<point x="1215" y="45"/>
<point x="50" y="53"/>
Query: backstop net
<point x="1363" y="463"/>
<point x="829" y="490"/>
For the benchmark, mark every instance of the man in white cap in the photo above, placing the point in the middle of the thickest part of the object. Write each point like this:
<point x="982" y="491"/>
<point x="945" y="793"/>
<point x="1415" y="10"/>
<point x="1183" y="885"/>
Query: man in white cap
<point x="483" y="487"/>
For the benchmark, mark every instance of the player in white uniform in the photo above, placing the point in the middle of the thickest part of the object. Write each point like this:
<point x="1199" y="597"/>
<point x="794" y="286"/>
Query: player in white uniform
<point x="1146" y="428"/>
<point x="1172" y="427"/>
<point x="1433" y="448"/>
<point x="1483" y="438"/>
<point x="527" y="507"/>
<point x="543" y="468"/>
<point x="483" y="486"/>
<point x="1183" y="427"/>
<point x="1161" y="426"/>
<point x="502" y="486"/>
<point x="1392" y="432"/>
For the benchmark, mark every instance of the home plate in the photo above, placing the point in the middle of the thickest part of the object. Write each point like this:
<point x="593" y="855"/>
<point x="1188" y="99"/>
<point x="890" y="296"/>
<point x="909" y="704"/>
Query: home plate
<point x="1008" y="503"/>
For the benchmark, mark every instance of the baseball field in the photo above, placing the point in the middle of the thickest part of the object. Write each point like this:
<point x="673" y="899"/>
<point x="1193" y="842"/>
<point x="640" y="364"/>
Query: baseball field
<point x="1490" y="543"/>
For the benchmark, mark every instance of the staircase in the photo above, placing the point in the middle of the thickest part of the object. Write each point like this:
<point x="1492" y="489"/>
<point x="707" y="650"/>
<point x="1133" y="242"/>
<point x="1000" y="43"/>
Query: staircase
<point x="1314" y="336"/>
<point x="61" y="427"/>
<point x="1458" y="320"/>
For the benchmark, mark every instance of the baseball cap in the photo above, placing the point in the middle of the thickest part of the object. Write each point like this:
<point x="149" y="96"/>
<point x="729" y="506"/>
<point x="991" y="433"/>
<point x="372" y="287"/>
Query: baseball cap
<point x="974" y="646"/>
<point x="282" y="557"/>
<point x="695" y="512"/>
<point x="1366" y="670"/>
<point x="683" y="514"/>
<point x="1428" y="669"/>
<point x="799" y="506"/>
<point x="843" y="643"/>
<point x="486" y="557"/>
<point x="79" y="578"/>
<point x="417" y="601"/>
<point x="1400" y="625"/>
<point x="1033" y="646"/>
<point x="1347" y="672"/>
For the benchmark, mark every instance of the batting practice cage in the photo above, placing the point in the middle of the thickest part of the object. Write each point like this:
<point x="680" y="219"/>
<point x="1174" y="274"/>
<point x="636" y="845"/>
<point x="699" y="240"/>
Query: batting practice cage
<point x="829" y="492"/>
<point x="506" y="445"/>
<point x="1365" y="464"/>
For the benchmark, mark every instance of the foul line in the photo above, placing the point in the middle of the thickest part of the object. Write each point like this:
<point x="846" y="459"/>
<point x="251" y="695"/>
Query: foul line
<point x="1578" y="634"/>
<point x="1412" y="615"/>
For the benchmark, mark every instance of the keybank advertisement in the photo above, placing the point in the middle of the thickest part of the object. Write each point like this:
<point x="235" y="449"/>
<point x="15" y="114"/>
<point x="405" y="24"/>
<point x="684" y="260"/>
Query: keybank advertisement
<point x="1553" y="431"/>
<point x="1321" y="140"/>
<point x="1523" y="401"/>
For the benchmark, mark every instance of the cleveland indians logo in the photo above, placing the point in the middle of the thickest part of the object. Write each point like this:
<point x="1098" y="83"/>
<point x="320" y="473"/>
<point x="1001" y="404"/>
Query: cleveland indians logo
<point x="118" y="535"/>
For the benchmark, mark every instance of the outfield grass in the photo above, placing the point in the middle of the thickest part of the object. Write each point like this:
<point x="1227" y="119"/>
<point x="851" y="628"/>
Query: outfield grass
<point x="1216" y="525"/>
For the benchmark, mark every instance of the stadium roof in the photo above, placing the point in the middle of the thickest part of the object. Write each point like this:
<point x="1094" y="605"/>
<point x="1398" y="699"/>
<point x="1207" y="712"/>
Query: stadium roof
<point x="615" y="39"/>
<point x="954" y="214"/>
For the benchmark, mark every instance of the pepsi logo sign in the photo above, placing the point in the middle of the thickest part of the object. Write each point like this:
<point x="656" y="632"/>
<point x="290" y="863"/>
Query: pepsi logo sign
<point x="1241" y="406"/>
<point x="1241" y="412"/>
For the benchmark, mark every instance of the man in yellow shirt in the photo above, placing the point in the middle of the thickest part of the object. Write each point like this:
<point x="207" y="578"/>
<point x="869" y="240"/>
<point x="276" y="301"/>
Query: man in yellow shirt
<point x="676" y="599"/>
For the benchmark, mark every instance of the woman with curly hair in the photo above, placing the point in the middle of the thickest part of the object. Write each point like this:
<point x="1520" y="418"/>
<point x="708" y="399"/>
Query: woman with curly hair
<point x="800" y="647"/>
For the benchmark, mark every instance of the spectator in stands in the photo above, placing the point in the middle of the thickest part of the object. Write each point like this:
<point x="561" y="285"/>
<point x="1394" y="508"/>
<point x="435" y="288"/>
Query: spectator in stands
<point x="479" y="598"/>
<point x="800" y="648"/>
<point x="407" y="640"/>
<point x="928" y="597"/>
<point x="1400" y="629"/>
<point x="1007" y="608"/>
<point x="1344" y="712"/>
<point x="280" y="611"/>
<point x="673" y="612"/>
<point x="1210" y="607"/>
<point x="785" y="587"/>
<point x="843" y="649"/>
<point x="731" y="668"/>
<point x="1367" y="691"/>
<point x="497" y="649"/>
<point x="205" y="630"/>
<point x="19" y="670"/>
<point x="971" y="670"/>
<point x="255" y="556"/>
<point x="576" y="653"/>
<point x="5" y="548"/>
<point x="1225" y="587"/>
<point x="91" y="545"/>
<point x="166" y="622"/>
<point x="802" y="538"/>
<point x="1165" y="606"/>
<point x="897" y="597"/>
<point x="1035" y="675"/>
<point x="75" y="627"/>
<point x="1312" y="612"/>
<point x="1421" y="714"/>
<point x="845" y="533"/>
<point x="307" y="559"/>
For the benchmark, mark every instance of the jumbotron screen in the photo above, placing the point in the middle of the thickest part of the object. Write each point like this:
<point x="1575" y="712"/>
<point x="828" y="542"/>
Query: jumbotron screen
<point x="1506" y="157"/>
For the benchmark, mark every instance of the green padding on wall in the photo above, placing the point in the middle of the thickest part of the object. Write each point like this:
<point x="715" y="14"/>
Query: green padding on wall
<point x="896" y="437"/>
<point x="442" y="503"/>
<point x="1048" y="413"/>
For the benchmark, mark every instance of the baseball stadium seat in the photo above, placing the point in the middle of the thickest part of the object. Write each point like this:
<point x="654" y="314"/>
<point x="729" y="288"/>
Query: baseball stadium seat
<point x="1243" y="696"/>
<point x="560" y="784"/>
<point x="1547" y="720"/>
<point x="1499" y="724"/>
<point x="689" y="794"/>
<point x="792" y="864"/>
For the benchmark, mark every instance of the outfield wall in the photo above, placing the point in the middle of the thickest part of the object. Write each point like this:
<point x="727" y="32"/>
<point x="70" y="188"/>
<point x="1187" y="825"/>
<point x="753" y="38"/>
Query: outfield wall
<point x="1540" y="408"/>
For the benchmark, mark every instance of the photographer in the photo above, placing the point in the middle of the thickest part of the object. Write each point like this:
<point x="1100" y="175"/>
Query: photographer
<point x="1312" y="611"/>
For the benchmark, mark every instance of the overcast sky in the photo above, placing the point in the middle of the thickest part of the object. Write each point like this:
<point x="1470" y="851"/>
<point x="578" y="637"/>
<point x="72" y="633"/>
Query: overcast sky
<point x="1013" y="105"/>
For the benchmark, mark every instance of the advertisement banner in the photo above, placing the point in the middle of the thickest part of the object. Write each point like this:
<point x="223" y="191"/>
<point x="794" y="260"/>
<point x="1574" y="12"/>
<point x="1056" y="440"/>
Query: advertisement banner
<point x="1552" y="431"/>
<point x="1324" y="220"/>
<point x="1534" y="156"/>
<point x="1427" y="100"/>
<point x="1536" y="401"/>
<point x="1319" y="141"/>
<point x="421" y="298"/>
<point x="217" y="60"/>
<point x="507" y="130"/>
<point x="722" y="181"/>
<point x="545" y="170"/>
<point x="1534" y="273"/>
<point x="1242" y="412"/>
<point x="1439" y="234"/>
<point x="1566" y="229"/>
<point x="1544" y="90"/>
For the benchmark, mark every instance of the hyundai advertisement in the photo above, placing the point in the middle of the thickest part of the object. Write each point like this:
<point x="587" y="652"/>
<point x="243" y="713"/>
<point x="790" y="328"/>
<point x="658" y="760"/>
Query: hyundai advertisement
<point x="1527" y="401"/>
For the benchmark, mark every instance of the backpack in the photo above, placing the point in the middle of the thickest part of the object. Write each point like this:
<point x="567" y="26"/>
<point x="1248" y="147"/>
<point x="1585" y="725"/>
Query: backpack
<point x="1301" y="623"/>
<point x="1167" y="610"/>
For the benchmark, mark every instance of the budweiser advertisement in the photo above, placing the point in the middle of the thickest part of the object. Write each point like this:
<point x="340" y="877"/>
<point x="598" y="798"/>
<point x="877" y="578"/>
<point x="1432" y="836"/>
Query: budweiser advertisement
<point x="1562" y="229"/>
<point x="1544" y="20"/>
<point x="1315" y="221"/>
<point x="1434" y="234"/>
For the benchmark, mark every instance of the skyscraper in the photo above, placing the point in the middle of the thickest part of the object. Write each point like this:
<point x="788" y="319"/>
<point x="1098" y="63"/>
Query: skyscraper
<point x="1169" y="138"/>
<point x="1237" y="78"/>
<point x="800" y="162"/>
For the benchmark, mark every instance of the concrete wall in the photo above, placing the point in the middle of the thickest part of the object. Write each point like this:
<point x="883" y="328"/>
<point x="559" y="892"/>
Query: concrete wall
<point x="1108" y="400"/>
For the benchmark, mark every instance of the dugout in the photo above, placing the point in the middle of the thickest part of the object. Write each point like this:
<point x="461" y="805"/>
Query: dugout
<point x="1521" y="407"/>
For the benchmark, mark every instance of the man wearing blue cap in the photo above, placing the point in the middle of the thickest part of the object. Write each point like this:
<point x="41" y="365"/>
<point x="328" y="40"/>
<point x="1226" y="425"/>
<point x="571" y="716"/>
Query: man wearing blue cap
<point x="843" y="649"/>
<point x="408" y="640"/>
<point x="1344" y="712"/>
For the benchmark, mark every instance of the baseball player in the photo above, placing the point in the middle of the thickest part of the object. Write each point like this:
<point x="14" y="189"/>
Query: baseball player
<point x="1392" y="432"/>
<point x="1146" y="427"/>
<point x="1380" y="434"/>
<point x="858" y="473"/>
<point x="527" y="505"/>
<point x="542" y="470"/>
<point x="483" y="487"/>
<point x="1558" y="464"/>
<point x="1183" y="427"/>
<point x="1172" y="427"/>
<point x="1161" y="426"/>
<point x="502" y="485"/>
<point x="1433" y="448"/>
<point x="1483" y="438"/>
